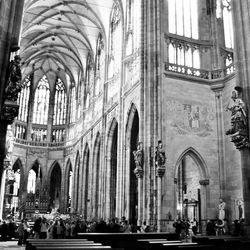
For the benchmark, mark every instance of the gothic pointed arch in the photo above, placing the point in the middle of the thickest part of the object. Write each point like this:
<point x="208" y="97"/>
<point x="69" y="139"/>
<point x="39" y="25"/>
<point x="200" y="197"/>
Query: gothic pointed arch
<point x="86" y="155"/>
<point x="68" y="178"/>
<point x="131" y="139"/>
<point x="96" y="177"/>
<point x="76" y="173"/>
<point x="197" y="158"/>
<point x="111" y="179"/>
<point x="192" y="186"/>
<point x="55" y="177"/>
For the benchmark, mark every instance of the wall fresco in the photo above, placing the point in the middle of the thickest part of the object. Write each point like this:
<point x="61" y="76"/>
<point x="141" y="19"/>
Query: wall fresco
<point x="190" y="118"/>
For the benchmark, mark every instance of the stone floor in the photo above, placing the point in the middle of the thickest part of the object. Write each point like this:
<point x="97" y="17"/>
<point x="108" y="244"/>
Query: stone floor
<point x="5" y="245"/>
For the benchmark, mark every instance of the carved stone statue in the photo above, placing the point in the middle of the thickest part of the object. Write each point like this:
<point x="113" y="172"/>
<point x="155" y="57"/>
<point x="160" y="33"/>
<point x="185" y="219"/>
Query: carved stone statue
<point x="13" y="85"/>
<point x="239" y="126"/>
<point x="160" y="157"/>
<point x="221" y="207"/>
<point x="138" y="156"/>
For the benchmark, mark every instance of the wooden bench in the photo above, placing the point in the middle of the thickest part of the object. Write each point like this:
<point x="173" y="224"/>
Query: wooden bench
<point x="72" y="247"/>
<point x="35" y="244"/>
<point x="127" y="241"/>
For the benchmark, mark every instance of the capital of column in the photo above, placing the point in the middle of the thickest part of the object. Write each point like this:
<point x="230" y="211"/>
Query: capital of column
<point x="217" y="88"/>
<point x="204" y="182"/>
<point x="160" y="171"/>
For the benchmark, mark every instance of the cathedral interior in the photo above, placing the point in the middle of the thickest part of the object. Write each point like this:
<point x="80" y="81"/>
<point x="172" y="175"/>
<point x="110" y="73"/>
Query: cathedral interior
<point x="134" y="108"/>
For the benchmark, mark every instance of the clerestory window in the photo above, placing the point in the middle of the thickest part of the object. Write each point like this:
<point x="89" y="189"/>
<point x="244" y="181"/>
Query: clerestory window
<point x="60" y="103"/>
<point x="183" y="18"/>
<point x="23" y="100"/>
<point x="41" y="102"/>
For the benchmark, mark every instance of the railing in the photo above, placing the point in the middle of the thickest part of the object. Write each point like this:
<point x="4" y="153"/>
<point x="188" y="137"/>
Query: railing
<point x="39" y="144"/>
<point x="200" y="73"/>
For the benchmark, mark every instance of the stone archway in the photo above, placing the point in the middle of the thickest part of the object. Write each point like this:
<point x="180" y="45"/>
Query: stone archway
<point x="96" y="176"/>
<point x="85" y="180"/>
<point x="76" y="180"/>
<point x="68" y="185"/>
<point x="111" y="193"/>
<point x="191" y="187"/>
<point x="132" y="135"/>
<point x="55" y="187"/>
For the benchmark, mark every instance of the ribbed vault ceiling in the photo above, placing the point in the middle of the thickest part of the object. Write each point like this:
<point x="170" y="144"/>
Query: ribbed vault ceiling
<point x="58" y="35"/>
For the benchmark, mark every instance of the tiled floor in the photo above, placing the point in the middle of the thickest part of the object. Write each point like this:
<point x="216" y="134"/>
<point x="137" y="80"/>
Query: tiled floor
<point x="5" y="245"/>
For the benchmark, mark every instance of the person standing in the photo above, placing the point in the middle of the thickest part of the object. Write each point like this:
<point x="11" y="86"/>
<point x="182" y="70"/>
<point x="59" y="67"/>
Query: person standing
<point x="20" y="231"/>
<point x="26" y="229"/>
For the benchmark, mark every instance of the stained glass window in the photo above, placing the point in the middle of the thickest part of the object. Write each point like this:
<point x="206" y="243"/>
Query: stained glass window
<point x="72" y="115"/>
<point x="115" y="42"/>
<point x="23" y="100"/>
<point x="60" y="104"/>
<point x="183" y="18"/>
<point x="41" y="102"/>
<point x="228" y="23"/>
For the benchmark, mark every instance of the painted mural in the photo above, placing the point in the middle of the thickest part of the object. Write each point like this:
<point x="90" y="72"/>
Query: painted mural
<point x="190" y="118"/>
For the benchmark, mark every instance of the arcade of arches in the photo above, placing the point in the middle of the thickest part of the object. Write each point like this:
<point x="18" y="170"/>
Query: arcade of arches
<point x="99" y="78"/>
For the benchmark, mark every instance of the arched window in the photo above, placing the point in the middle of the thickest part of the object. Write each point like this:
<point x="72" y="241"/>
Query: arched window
<point x="184" y="54"/>
<point x="100" y="65"/>
<point x="23" y="100"/>
<point x="115" y="42"/>
<point x="72" y="115"/>
<point x="228" y="24"/>
<point x="41" y="102"/>
<point x="31" y="188"/>
<point x="60" y="104"/>
<point x="183" y="18"/>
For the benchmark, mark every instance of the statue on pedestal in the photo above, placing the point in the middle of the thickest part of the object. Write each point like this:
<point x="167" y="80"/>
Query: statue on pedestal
<point x="221" y="207"/>
<point x="239" y="120"/>
<point x="160" y="160"/>
<point x="138" y="157"/>
<point x="14" y="77"/>
<point x="160" y="157"/>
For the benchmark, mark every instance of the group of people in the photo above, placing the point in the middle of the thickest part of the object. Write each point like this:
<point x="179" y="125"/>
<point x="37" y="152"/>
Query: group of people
<point x="185" y="228"/>
<point x="66" y="229"/>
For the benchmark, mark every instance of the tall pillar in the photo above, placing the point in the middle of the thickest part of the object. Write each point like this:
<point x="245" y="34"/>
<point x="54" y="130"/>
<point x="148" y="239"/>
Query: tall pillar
<point x="160" y="171"/>
<point x="139" y="174"/>
<point x="218" y="88"/>
<point x="241" y="21"/>
<point x="160" y="160"/>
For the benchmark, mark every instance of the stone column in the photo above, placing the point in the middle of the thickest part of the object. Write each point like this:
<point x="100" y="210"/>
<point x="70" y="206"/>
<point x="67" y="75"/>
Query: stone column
<point x="2" y="191"/>
<point x="218" y="88"/>
<point x="241" y="22"/>
<point x="160" y="171"/>
<point x="139" y="174"/>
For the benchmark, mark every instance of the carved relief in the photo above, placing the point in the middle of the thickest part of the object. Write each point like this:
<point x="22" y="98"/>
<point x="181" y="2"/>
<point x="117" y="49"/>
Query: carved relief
<point x="37" y="153"/>
<point x="189" y="118"/>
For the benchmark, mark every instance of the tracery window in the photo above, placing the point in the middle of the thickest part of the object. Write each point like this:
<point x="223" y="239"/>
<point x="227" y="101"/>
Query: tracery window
<point x="184" y="54"/>
<point x="31" y="187"/>
<point x="60" y="103"/>
<point x="100" y="64"/>
<point x="183" y="18"/>
<point x="129" y="27"/>
<point x="41" y="102"/>
<point x="72" y="105"/>
<point x="228" y="23"/>
<point x="115" y="42"/>
<point x="23" y="100"/>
